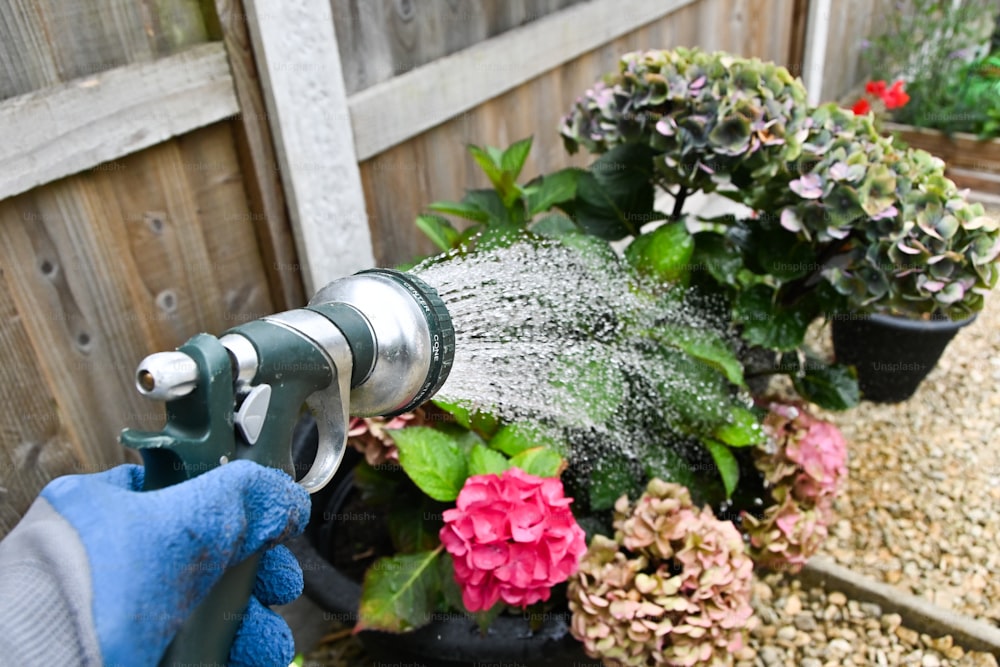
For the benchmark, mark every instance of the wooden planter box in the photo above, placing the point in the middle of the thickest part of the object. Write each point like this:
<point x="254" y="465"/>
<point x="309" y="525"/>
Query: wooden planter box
<point x="971" y="162"/>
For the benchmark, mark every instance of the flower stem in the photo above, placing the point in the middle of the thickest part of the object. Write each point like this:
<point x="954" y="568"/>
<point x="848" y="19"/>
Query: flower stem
<point x="679" y="198"/>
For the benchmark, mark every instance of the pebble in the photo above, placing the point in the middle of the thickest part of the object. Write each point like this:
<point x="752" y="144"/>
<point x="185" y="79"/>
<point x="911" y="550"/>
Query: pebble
<point x="805" y="622"/>
<point x="815" y="637"/>
<point x="919" y="508"/>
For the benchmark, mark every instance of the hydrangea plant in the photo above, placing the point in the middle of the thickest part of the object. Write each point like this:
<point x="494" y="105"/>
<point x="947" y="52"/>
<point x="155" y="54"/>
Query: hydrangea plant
<point x="838" y="217"/>
<point x="710" y="120"/>
<point x="672" y="587"/>
<point x="804" y="465"/>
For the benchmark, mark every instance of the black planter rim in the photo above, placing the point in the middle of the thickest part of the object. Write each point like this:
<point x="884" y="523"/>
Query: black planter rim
<point x="906" y="323"/>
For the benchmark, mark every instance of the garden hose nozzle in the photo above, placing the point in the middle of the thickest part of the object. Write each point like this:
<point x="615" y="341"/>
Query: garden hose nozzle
<point x="380" y="342"/>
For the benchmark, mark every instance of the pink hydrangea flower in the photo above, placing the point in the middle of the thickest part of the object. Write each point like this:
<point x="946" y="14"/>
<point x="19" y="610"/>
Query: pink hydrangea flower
<point x="815" y="446"/>
<point x="512" y="537"/>
<point x="805" y="470"/>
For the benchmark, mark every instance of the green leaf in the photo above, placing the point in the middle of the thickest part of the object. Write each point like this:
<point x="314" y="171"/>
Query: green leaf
<point x="833" y="387"/>
<point x="615" y="196"/>
<point x="554" y="226"/>
<point x="664" y="253"/>
<point x="488" y="201"/>
<point x="706" y="346"/>
<point x="414" y="526"/>
<point x="513" y="439"/>
<point x="461" y="209"/>
<point x="485" y="461"/>
<point x="433" y="460"/>
<point x="456" y="410"/>
<point x="488" y="161"/>
<point x="482" y="423"/>
<point x="768" y="324"/>
<point x="555" y="188"/>
<point x="400" y="593"/>
<point x="742" y="430"/>
<point x="717" y="255"/>
<point x="610" y="478"/>
<point x="439" y="230"/>
<point x="539" y="461"/>
<point x="512" y="160"/>
<point x="728" y="467"/>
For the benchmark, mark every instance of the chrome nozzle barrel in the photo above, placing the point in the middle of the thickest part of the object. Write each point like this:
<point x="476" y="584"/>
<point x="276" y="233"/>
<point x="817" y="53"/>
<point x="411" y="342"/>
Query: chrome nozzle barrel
<point x="413" y="336"/>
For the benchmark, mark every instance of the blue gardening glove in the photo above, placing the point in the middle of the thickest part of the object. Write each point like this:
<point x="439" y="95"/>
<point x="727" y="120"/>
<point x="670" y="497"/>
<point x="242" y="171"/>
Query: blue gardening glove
<point x="153" y="556"/>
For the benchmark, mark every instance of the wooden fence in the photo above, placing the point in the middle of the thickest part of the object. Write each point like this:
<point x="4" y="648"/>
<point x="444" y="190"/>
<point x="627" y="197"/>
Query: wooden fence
<point x="184" y="166"/>
<point x="411" y="126"/>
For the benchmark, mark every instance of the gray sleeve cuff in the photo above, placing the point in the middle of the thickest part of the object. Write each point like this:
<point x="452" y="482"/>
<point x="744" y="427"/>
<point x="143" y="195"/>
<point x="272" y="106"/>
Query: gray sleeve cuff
<point x="46" y="615"/>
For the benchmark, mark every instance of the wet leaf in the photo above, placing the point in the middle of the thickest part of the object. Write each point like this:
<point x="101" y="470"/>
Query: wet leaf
<point x="433" y="460"/>
<point x="400" y="592"/>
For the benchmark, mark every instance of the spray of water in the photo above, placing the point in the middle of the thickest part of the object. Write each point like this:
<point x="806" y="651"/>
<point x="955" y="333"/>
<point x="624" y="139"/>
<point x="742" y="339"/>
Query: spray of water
<point x="558" y="337"/>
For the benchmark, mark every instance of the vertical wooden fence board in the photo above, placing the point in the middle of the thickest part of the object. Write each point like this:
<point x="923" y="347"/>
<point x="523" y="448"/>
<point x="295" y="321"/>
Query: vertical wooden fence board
<point x="235" y="260"/>
<point x="37" y="444"/>
<point x="99" y="270"/>
<point x="255" y="148"/>
<point x="50" y="276"/>
<point x="851" y="23"/>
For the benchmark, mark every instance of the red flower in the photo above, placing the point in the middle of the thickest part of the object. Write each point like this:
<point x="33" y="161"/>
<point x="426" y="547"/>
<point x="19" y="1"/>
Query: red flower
<point x="875" y="88"/>
<point x="861" y="107"/>
<point x="895" y="97"/>
<point x="512" y="538"/>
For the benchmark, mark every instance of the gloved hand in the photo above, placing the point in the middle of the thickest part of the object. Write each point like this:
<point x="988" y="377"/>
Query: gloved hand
<point x="153" y="556"/>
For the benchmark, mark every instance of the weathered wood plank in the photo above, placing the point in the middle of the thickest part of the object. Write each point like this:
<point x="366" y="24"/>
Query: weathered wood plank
<point x="380" y="39"/>
<point x="297" y="58"/>
<point x="959" y="150"/>
<point x="37" y="444"/>
<point x="46" y="42"/>
<point x="851" y="22"/>
<point x="81" y="125"/>
<point x="489" y="69"/>
<point x="79" y="338"/>
<point x="237" y="265"/>
<point x="268" y="212"/>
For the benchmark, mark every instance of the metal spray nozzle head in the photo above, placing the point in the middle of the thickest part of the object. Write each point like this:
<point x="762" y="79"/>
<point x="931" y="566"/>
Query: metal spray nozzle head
<point x="403" y="344"/>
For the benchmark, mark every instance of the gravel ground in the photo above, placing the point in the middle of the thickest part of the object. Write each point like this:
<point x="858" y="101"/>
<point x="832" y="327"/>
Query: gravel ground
<point x="922" y="506"/>
<point x="799" y="628"/>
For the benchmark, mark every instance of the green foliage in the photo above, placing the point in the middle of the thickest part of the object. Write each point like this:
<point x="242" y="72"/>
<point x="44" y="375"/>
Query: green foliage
<point x="433" y="460"/>
<point x="400" y="592"/>
<point x="538" y="461"/>
<point x="664" y="254"/>
<point x="728" y="467"/>
<point x="612" y="476"/>
<point x="492" y="214"/>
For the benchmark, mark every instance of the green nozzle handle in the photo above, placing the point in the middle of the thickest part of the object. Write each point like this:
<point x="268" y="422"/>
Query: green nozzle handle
<point x="199" y="436"/>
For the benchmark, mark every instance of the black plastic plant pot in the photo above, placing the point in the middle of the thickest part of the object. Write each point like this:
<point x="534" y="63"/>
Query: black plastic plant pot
<point x="892" y="355"/>
<point x="453" y="640"/>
